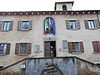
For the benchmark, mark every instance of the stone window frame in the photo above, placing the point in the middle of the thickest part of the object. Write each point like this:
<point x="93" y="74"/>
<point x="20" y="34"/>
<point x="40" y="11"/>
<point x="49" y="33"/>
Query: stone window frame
<point x="96" y="23"/>
<point x="6" y="25"/>
<point x="20" y="51"/>
<point x="20" y="24"/>
<point x="77" y="23"/>
<point x="70" y="47"/>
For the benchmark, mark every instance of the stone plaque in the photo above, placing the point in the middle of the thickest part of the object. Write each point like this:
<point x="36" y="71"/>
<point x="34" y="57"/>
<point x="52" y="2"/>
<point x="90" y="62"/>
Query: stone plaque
<point x="49" y="38"/>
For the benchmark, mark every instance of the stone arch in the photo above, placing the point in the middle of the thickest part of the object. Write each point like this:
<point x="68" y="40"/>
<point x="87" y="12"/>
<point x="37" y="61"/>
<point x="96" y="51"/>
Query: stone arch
<point x="64" y="7"/>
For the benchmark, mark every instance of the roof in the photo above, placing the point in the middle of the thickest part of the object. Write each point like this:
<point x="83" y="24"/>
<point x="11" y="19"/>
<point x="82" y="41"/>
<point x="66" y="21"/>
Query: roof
<point x="64" y="2"/>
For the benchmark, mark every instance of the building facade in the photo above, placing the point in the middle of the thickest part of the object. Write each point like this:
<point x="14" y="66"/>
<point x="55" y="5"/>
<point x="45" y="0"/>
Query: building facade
<point x="59" y="33"/>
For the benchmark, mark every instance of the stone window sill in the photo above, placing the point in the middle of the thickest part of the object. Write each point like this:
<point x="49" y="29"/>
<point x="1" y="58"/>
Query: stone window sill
<point x="2" y="54"/>
<point x="5" y="30"/>
<point x="76" y="52"/>
<point x="24" y="30"/>
<point x="96" y="52"/>
<point x="22" y="54"/>
<point x="93" y="29"/>
<point x="73" y="29"/>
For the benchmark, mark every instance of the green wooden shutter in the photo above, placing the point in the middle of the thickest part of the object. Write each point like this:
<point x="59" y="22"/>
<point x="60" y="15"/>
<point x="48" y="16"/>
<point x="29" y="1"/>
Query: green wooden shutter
<point x="11" y="25"/>
<point x="17" y="48"/>
<point x="8" y="49"/>
<point x="19" y="25"/>
<point x="78" y="24"/>
<point x="1" y="25"/>
<point x="30" y="25"/>
<point x="81" y="47"/>
<point x="97" y="24"/>
<point x="67" y="25"/>
<point x="98" y="43"/>
<point x="70" y="47"/>
<point x="96" y="46"/>
<point x="29" y="48"/>
<point x="86" y="24"/>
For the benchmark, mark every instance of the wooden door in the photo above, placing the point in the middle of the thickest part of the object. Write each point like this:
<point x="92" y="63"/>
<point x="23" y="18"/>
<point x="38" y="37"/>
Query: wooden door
<point x="50" y="49"/>
<point x="47" y="49"/>
<point x="53" y="48"/>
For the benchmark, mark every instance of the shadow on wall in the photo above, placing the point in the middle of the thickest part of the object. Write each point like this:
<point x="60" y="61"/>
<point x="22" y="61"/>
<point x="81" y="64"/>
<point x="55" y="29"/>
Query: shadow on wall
<point x="10" y="73"/>
<point x="85" y="68"/>
<point x="52" y="66"/>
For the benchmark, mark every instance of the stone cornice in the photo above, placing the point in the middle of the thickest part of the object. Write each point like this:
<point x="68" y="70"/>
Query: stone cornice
<point x="27" y="13"/>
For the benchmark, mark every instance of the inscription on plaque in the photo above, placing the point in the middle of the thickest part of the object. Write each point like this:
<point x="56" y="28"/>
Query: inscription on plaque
<point x="49" y="38"/>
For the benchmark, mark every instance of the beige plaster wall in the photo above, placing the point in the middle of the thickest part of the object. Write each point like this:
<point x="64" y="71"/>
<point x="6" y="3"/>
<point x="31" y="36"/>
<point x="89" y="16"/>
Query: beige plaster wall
<point x="36" y="35"/>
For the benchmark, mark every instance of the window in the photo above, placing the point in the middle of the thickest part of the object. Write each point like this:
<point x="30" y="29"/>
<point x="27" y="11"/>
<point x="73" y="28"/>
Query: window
<point x="24" y="25"/>
<point x="91" y="24"/>
<point x="64" y="7"/>
<point x="72" y="24"/>
<point x="75" y="47"/>
<point x="23" y="48"/>
<point x="4" y="49"/>
<point x="49" y="26"/>
<point x="96" y="46"/>
<point x="7" y="25"/>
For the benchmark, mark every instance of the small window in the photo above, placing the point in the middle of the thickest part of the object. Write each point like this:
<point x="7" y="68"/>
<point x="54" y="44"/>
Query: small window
<point x="75" y="47"/>
<point x="3" y="48"/>
<point x="64" y="7"/>
<point x="91" y="24"/>
<point x="6" y="25"/>
<point x="72" y="24"/>
<point x="23" y="48"/>
<point x="25" y="25"/>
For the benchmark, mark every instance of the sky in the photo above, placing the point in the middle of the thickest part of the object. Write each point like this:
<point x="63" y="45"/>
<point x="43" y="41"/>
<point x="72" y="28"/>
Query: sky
<point x="46" y="5"/>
